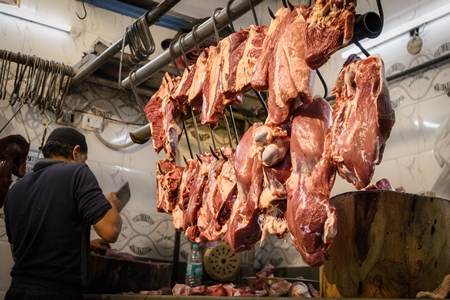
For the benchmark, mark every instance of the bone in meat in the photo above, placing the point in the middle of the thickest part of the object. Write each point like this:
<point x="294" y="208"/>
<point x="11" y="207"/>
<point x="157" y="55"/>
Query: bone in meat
<point x="220" y="200"/>
<point x="168" y="178"/>
<point x="196" y="196"/>
<point x="180" y="93"/>
<point x="195" y="90"/>
<point x="187" y="179"/>
<point x="330" y="27"/>
<point x="363" y="118"/>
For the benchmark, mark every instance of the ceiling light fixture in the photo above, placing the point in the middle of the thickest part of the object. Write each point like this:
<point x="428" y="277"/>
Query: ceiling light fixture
<point x="24" y="15"/>
<point x="407" y="27"/>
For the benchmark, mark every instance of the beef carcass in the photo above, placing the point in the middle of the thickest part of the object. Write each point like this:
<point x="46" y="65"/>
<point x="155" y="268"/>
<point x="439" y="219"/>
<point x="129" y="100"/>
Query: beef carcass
<point x="214" y="215"/>
<point x="281" y="67"/>
<point x="244" y="229"/>
<point x="155" y="115"/>
<point x="196" y="195"/>
<point x="362" y="119"/>
<point x="252" y="49"/>
<point x="195" y="90"/>
<point x="166" y="123"/>
<point x="311" y="219"/>
<point x="330" y="27"/>
<point x="187" y="180"/>
<point x="230" y="62"/>
<point x="180" y="93"/>
<point x="168" y="178"/>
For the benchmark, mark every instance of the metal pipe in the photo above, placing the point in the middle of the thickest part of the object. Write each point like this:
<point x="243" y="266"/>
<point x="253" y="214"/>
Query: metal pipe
<point x="204" y="30"/>
<point x="115" y="48"/>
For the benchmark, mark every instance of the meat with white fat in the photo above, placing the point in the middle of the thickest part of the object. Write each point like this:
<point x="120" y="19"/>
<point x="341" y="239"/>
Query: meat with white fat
<point x="362" y="119"/>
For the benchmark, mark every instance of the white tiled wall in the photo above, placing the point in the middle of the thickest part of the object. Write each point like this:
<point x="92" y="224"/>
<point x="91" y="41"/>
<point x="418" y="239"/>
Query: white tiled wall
<point x="409" y="158"/>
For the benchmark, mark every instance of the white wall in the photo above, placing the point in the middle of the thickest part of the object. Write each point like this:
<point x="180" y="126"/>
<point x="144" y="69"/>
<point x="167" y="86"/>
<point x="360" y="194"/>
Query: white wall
<point x="408" y="161"/>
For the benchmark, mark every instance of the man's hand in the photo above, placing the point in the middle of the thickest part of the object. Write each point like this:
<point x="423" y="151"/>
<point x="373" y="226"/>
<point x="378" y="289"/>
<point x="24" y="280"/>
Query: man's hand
<point x="99" y="246"/>
<point x="112" y="197"/>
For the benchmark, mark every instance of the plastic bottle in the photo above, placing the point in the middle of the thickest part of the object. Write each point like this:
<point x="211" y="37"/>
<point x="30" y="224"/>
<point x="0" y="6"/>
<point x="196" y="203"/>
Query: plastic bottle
<point x="194" y="269"/>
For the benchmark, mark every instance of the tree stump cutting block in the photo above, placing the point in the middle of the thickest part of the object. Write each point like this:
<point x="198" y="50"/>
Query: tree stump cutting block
<point x="388" y="245"/>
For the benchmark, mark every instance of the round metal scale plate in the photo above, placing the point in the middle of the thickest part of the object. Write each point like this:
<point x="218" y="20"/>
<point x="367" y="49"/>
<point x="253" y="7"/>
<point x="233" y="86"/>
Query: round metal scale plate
<point x="220" y="263"/>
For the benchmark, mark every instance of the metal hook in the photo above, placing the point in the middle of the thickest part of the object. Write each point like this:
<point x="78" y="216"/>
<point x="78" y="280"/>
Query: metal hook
<point x="323" y="83"/>
<point x="195" y="38"/>
<point x="199" y="159"/>
<point x="363" y="50"/>
<point x="180" y="43"/>
<point x="85" y="12"/>
<point x="287" y="4"/>
<point x="212" y="152"/>
<point x="187" y="140"/>
<point x="216" y="30"/>
<point x="230" y="21"/>
<point x="272" y="15"/>
<point x="255" y="18"/>
<point x="172" y="54"/>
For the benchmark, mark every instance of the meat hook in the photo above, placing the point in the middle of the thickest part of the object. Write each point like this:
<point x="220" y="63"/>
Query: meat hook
<point x="172" y="54"/>
<point x="223" y="154"/>
<point x="260" y="98"/>
<point x="325" y="93"/>
<point x="213" y="153"/>
<point x="255" y="18"/>
<point x="230" y="21"/>
<point x="213" y="137"/>
<point x="159" y="168"/>
<point x="234" y="124"/>
<point x="199" y="159"/>
<point x="272" y="15"/>
<point x="185" y="160"/>
<point x="358" y="44"/>
<point x="187" y="140"/>
<point x="287" y="4"/>
<point x="216" y="30"/>
<point x="85" y="12"/>
<point x="230" y="138"/>
<point x="180" y="43"/>
<point x="195" y="38"/>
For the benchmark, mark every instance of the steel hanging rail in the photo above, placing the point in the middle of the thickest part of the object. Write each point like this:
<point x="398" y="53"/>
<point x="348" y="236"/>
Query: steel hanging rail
<point x="237" y="9"/>
<point x="115" y="48"/>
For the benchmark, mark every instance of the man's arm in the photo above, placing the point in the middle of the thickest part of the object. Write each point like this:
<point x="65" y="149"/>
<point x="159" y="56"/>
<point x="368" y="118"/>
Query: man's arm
<point x="108" y="228"/>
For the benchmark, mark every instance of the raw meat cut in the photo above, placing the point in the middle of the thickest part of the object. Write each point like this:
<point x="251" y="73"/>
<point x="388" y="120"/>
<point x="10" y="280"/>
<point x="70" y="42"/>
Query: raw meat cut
<point x="180" y="93"/>
<point x="195" y="90"/>
<point x="362" y="119"/>
<point x="168" y="179"/>
<point x="330" y="27"/>
<point x="310" y="217"/>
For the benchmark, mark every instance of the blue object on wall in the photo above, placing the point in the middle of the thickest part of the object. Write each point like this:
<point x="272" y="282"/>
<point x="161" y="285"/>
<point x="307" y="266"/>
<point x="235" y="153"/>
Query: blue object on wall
<point x="132" y="11"/>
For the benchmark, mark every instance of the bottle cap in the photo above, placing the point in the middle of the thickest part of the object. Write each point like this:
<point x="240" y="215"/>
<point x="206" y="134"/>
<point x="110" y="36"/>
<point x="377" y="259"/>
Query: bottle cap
<point x="194" y="246"/>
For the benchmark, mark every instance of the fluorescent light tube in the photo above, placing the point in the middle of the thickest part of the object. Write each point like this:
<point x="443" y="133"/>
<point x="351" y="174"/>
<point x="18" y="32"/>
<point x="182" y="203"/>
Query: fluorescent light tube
<point x="24" y="15"/>
<point x="384" y="37"/>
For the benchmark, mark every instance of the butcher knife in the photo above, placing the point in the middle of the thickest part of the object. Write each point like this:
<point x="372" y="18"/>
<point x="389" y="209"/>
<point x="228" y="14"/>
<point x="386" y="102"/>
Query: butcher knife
<point x="124" y="195"/>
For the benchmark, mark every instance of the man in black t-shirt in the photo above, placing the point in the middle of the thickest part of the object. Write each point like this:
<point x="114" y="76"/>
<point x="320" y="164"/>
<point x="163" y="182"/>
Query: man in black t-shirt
<point x="48" y="216"/>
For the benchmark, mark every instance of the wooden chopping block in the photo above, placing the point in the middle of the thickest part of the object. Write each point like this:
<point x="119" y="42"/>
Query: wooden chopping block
<point x="388" y="245"/>
<point x="111" y="275"/>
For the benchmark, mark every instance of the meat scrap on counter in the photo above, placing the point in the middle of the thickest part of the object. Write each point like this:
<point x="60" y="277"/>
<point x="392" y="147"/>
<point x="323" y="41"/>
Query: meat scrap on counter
<point x="279" y="178"/>
<point x="264" y="285"/>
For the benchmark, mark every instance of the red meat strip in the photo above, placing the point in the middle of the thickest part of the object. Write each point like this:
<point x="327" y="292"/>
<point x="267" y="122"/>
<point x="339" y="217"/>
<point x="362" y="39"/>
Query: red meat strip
<point x="180" y="93"/>
<point x="195" y="91"/>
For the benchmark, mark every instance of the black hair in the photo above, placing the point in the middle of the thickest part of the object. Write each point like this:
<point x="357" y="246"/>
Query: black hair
<point x="57" y="148"/>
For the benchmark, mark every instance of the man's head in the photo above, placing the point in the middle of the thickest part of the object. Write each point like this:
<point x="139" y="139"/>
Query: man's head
<point x="67" y="143"/>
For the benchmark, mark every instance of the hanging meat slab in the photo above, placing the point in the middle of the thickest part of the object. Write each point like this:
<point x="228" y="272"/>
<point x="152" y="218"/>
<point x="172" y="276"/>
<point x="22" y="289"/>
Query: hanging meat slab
<point x="168" y="179"/>
<point x="330" y="27"/>
<point x="363" y="119"/>
<point x="310" y="218"/>
<point x="244" y="229"/>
